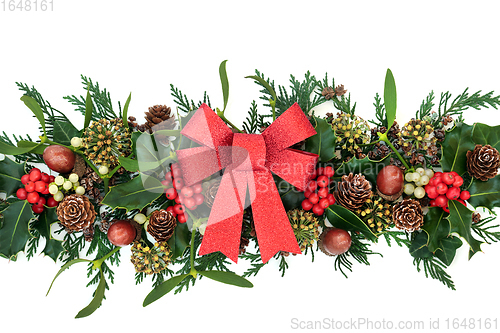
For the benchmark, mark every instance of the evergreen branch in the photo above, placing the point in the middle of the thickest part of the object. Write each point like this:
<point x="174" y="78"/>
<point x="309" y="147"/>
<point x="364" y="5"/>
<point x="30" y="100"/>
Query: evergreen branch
<point x="33" y="243"/>
<point x="251" y="123"/>
<point x="379" y="112"/>
<point x="359" y="251"/>
<point x="344" y="104"/>
<point x="73" y="243"/>
<point x="426" y="107"/>
<point x="183" y="103"/>
<point x="484" y="231"/>
<point x="395" y="235"/>
<point x="101" y="244"/>
<point x="434" y="268"/>
<point x="255" y="262"/>
<point x="283" y="266"/>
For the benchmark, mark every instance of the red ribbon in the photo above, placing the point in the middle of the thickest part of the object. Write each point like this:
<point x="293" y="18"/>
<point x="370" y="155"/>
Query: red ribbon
<point x="248" y="160"/>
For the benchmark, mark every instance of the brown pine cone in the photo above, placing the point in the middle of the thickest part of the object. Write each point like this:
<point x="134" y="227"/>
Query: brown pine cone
<point x="88" y="233"/>
<point x="76" y="212"/>
<point x="328" y="92"/>
<point x="353" y="191"/>
<point x="162" y="225"/>
<point x="158" y="114"/>
<point x="407" y="215"/>
<point x="211" y="193"/>
<point x="483" y="162"/>
<point x="339" y="90"/>
<point x="80" y="166"/>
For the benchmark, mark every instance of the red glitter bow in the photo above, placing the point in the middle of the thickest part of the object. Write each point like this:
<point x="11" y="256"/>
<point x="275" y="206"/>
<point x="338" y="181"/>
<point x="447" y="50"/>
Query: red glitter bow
<point x="248" y="160"/>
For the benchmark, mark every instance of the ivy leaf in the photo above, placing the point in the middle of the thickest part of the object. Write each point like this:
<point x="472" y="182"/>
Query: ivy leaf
<point x="390" y="98"/>
<point x="179" y="240"/>
<point x="343" y="218"/>
<point x="367" y="167"/>
<point x="134" y="194"/>
<point x="483" y="134"/>
<point x="33" y="105"/>
<point x="224" y="82"/>
<point x="163" y="289"/>
<point x="10" y="176"/>
<point x="455" y="146"/>
<point x="53" y="247"/>
<point x="485" y="194"/>
<point x="227" y="278"/>
<point x="461" y="222"/>
<point x="323" y="143"/>
<point x="64" y="132"/>
<point x="96" y="301"/>
<point x="14" y="233"/>
<point x="448" y="249"/>
<point x="418" y="247"/>
<point x="436" y="227"/>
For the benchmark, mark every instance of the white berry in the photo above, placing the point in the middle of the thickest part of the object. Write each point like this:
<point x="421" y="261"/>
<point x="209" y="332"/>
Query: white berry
<point x="53" y="189"/>
<point x="80" y="190"/>
<point x="73" y="178"/>
<point x="58" y="196"/>
<point x="429" y="173"/>
<point x="409" y="188"/>
<point x="140" y="218"/>
<point x="76" y="142"/>
<point x="59" y="180"/>
<point x="103" y="170"/>
<point x="424" y="180"/>
<point x="409" y="177"/>
<point x="421" y="171"/>
<point x="67" y="185"/>
<point x="419" y="192"/>
<point x="416" y="177"/>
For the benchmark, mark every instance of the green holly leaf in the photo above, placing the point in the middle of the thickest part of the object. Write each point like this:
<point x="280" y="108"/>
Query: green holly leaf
<point x="179" y="240"/>
<point x="14" y="233"/>
<point x="227" y="278"/>
<point x="447" y="249"/>
<point x="365" y="166"/>
<point x="483" y="134"/>
<point x="418" y="247"/>
<point x="130" y="164"/>
<point x="436" y="226"/>
<point x="53" y="247"/>
<point x="323" y="143"/>
<point x="151" y="155"/>
<point x="455" y="147"/>
<point x="461" y="222"/>
<point x="290" y="196"/>
<point x="343" y="218"/>
<point x="134" y="194"/>
<point x="485" y="194"/>
<point x="64" y="132"/>
<point x="10" y="176"/>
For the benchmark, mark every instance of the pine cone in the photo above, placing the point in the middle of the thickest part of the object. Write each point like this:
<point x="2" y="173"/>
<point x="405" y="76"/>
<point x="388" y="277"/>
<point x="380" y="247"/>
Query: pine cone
<point x="353" y="191"/>
<point x="328" y="92"/>
<point x="80" y="166"/>
<point x="158" y="114"/>
<point x="88" y="233"/>
<point x="483" y="162"/>
<point x="407" y="215"/>
<point x="162" y="225"/>
<point x="339" y="90"/>
<point x="76" y="212"/>
<point x="211" y="193"/>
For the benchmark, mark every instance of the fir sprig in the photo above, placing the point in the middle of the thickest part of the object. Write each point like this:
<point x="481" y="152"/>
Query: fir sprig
<point x="425" y="107"/>
<point x="185" y="104"/>
<point x="434" y="268"/>
<point x="484" y="231"/>
<point x="380" y="113"/>
<point x="343" y="104"/>
<point x="400" y="237"/>
<point x="253" y="121"/>
<point x="358" y="251"/>
<point x="255" y="262"/>
<point x="33" y="243"/>
<point x="73" y="243"/>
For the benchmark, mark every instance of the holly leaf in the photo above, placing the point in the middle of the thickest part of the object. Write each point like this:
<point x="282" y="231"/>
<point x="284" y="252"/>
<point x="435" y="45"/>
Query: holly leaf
<point x="179" y="240"/>
<point x="343" y="218"/>
<point x="483" y="134"/>
<point x="64" y="132"/>
<point x="437" y="227"/>
<point x="365" y="166"/>
<point x="15" y="233"/>
<point x="418" y="247"/>
<point x="227" y="278"/>
<point x="10" y="176"/>
<point x="130" y="164"/>
<point x="53" y="247"/>
<point x="455" y="146"/>
<point x="290" y="196"/>
<point x="323" y="143"/>
<point x="447" y="249"/>
<point x="151" y="156"/>
<point x="134" y="194"/>
<point x="485" y="194"/>
<point x="461" y="222"/>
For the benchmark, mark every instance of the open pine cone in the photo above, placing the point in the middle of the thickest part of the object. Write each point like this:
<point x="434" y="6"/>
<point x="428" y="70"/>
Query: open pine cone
<point x="407" y="215"/>
<point x="159" y="114"/>
<point x="211" y="193"/>
<point x="353" y="191"/>
<point x="162" y="225"/>
<point x="483" y="162"/>
<point x="76" y="212"/>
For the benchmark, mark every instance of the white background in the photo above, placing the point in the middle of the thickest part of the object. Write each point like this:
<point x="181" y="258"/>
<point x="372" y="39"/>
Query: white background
<point x="143" y="46"/>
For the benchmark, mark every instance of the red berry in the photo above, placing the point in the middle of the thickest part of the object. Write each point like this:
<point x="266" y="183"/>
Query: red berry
<point x="175" y="166"/>
<point x="465" y="195"/>
<point x="328" y="171"/>
<point x="441" y="201"/>
<point x="45" y="178"/>
<point x="448" y="178"/>
<point x="454" y="173"/>
<point x="179" y="209"/>
<point x="320" y="171"/>
<point x="25" y="179"/>
<point x="436" y="179"/>
<point x="177" y="173"/>
<point x="431" y="191"/>
<point x="190" y="203"/>
<point x="182" y="218"/>
<point x="331" y="199"/>
<point x="33" y="197"/>
<point x="198" y="198"/>
<point x="307" y="193"/>
<point x="178" y="199"/>
<point x="22" y="194"/>
<point x="314" y="174"/>
<point x="324" y="203"/>
<point x="453" y="193"/>
<point x="51" y="179"/>
<point x="314" y="198"/>
<point x="432" y="203"/>
<point x="178" y="183"/>
<point x="318" y="210"/>
<point x="323" y="181"/>
<point x="166" y="183"/>
<point x="323" y="192"/>
<point x="187" y="191"/>
<point x="441" y="188"/>
<point x="458" y="181"/>
<point x="171" y="210"/>
<point x="306" y="204"/>
<point x="46" y="191"/>
<point x="30" y="186"/>
<point x="197" y="188"/>
<point x="121" y="233"/>
<point x="168" y="176"/>
<point x="336" y="241"/>
<point x="40" y="186"/>
<point x="41" y="201"/>
<point x="51" y="202"/>
<point x="171" y="193"/>
<point x="37" y="209"/>
<point x="446" y="209"/>
<point x="312" y="186"/>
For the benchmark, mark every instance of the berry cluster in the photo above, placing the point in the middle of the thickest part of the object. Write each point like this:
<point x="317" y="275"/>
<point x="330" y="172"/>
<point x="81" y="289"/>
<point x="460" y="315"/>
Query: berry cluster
<point x="444" y="186"/>
<point x="419" y="178"/>
<point x="189" y="197"/>
<point x="60" y="185"/>
<point x="36" y="190"/>
<point x="317" y="194"/>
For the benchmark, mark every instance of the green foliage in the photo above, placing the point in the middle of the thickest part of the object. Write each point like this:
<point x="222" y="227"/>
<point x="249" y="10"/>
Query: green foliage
<point x="24" y="157"/>
<point x="14" y="233"/>
<point x="456" y="144"/>
<point x="323" y="143"/>
<point x="96" y="300"/>
<point x="400" y="237"/>
<point x="464" y="101"/>
<point x="179" y="240"/>
<point x="434" y="268"/>
<point x="365" y="166"/>
<point x="186" y="105"/>
<point x="343" y="104"/>
<point x="41" y="227"/>
<point x="254" y="121"/>
<point x="485" y="194"/>
<point x="100" y="246"/>
<point x="380" y="114"/>
<point x="358" y="251"/>
<point x="73" y="244"/>
<point x="484" y="230"/>
<point x="436" y="226"/>
<point x="343" y="218"/>
<point x="390" y="98"/>
<point x="483" y="134"/>
<point x="460" y="219"/>
<point x="425" y="107"/>
<point x="255" y="262"/>
<point x="227" y="278"/>
<point x="10" y="176"/>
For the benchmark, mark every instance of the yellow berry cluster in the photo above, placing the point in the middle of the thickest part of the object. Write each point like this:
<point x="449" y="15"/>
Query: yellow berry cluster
<point x="150" y="260"/>
<point x="376" y="213"/>
<point x="416" y="134"/>
<point x="106" y="140"/>
<point x="350" y="131"/>
<point x="305" y="227"/>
